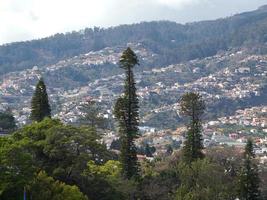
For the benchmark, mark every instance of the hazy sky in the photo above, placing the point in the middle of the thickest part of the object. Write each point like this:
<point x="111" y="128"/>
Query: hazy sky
<point x="32" y="19"/>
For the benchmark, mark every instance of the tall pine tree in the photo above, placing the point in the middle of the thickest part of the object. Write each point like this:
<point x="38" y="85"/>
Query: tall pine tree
<point x="249" y="182"/>
<point x="127" y="114"/>
<point x="40" y="107"/>
<point x="192" y="106"/>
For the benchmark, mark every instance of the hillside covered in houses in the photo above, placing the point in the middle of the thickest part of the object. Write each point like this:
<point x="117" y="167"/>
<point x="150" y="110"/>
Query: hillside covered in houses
<point x="148" y="111"/>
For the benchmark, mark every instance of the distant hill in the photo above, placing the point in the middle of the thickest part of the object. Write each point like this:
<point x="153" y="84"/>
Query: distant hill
<point x="225" y="60"/>
<point x="173" y="42"/>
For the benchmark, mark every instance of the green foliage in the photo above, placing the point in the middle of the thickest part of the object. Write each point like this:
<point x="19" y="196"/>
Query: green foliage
<point x="146" y="149"/>
<point x="249" y="150"/>
<point x="127" y="114"/>
<point x="44" y="187"/>
<point x="148" y="169"/>
<point x="149" y="150"/>
<point x="249" y="182"/>
<point x="203" y="180"/>
<point x="110" y="169"/>
<point x="16" y="168"/>
<point x="40" y="107"/>
<point x="228" y="158"/>
<point x="57" y="161"/>
<point x="192" y="106"/>
<point x="63" y="151"/>
<point x="7" y="121"/>
<point x="111" y="184"/>
<point x="69" y="149"/>
<point x="128" y="59"/>
<point x="159" y="180"/>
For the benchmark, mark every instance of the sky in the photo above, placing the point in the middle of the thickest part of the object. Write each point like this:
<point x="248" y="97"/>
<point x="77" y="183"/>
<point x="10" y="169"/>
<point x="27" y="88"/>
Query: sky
<point x="33" y="19"/>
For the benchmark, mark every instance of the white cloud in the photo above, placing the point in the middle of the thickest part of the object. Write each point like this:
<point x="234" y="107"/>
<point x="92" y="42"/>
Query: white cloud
<point x="180" y="3"/>
<point x="28" y="19"/>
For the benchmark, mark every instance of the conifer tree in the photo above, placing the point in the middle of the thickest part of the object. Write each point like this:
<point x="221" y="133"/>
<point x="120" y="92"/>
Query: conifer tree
<point x="249" y="181"/>
<point x="40" y="107"/>
<point x="7" y="121"/>
<point x="192" y="106"/>
<point x="127" y="114"/>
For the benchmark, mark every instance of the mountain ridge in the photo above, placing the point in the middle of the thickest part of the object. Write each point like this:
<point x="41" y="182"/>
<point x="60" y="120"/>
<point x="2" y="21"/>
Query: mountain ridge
<point x="172" y="41"/>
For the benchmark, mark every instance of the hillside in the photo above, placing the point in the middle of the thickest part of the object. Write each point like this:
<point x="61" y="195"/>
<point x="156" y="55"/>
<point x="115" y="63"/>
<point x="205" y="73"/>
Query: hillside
<point x="225" y="60"/>
<point x="148" y="111"/>
<point x="228" y="81"/>
<point x="173" y="42"/>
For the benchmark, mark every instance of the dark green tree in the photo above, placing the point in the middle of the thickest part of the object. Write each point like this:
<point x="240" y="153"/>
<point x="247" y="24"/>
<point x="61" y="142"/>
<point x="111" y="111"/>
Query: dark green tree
<point x="16" y="168"/>
<point x="62" y="151"/>
<point x="149" y="150"/>
<point x="193" y="106"/>
<point x="115" y="144"/>
<point x="249" y="182"/>
<point x="203" y="180"/>
<point x="249" y="149"/>
<point x="44" y="187"/>
<point x="40" y="107"/>
<point x="7" y="121"/>
<point x="127" y="114"/>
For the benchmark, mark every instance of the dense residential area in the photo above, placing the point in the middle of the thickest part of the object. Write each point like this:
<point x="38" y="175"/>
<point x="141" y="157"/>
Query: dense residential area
<point x="229" y="75"/>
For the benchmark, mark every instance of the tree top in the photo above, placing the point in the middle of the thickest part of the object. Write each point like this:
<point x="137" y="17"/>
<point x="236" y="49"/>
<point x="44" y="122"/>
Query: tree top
<point x="128" y="59"/>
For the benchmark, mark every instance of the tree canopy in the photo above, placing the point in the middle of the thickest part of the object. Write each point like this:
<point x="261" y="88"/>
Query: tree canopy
<point x="127" y="114"/>
<point x="40" y="107"/>
<point x="192" y="107"/>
